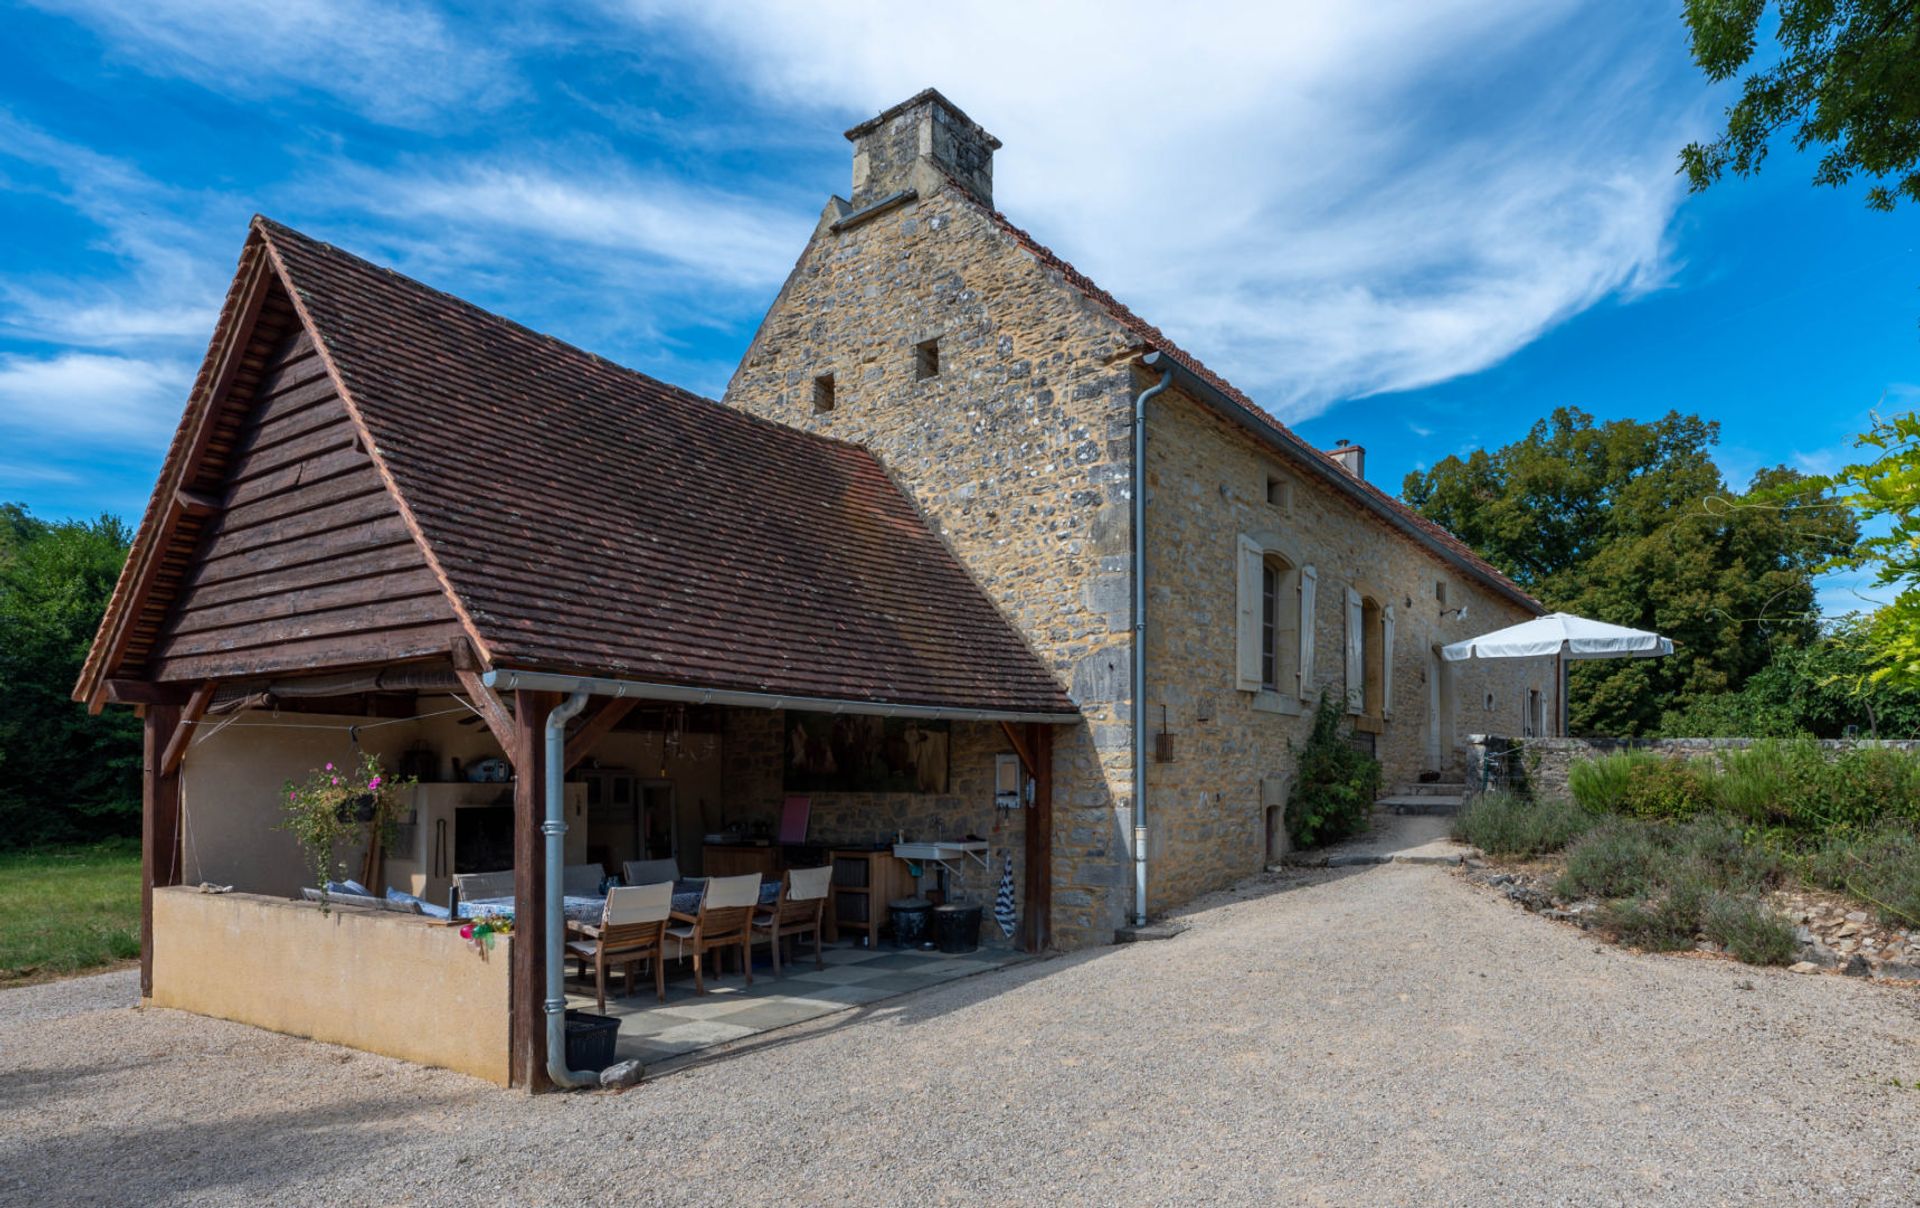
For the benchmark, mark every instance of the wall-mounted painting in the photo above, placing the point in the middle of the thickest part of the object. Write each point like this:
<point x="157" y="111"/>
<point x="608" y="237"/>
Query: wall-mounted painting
<point x="842" y="752"/>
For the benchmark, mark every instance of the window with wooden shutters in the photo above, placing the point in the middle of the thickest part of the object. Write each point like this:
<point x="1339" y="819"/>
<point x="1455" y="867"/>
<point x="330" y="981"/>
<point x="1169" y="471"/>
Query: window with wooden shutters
<point x="1356" y="665"/>
<point x="1275" y="599"/>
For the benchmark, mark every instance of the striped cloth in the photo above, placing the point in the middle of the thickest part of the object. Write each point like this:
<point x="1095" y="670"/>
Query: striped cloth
<point x="1003" y="912"/>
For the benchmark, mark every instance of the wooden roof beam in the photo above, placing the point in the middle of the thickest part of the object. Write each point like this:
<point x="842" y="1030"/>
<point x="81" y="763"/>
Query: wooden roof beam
<point x="597" y="727"/>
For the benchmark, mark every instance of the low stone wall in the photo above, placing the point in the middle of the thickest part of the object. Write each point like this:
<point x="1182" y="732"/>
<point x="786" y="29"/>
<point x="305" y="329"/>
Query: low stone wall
<point x="1539" y="766"/>
<point x="401" y="985"/>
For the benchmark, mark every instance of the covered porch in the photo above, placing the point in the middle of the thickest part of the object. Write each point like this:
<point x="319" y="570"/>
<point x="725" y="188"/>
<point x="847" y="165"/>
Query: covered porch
<point x="585" y="617"/>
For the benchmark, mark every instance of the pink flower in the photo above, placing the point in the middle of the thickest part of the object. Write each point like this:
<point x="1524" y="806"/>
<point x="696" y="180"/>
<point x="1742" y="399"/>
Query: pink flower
<point x="336" y="780"/>
<point x="373" y="784"/>
<point x="330" y="768"/>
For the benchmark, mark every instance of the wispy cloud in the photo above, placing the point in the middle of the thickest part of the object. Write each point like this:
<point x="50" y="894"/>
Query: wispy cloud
<point x="1324" y="204"/>
<point x="600" y="208"/>
<point x="401" y="63"/>
<point x="165" y="277"/>
<point x="91" y="398"/>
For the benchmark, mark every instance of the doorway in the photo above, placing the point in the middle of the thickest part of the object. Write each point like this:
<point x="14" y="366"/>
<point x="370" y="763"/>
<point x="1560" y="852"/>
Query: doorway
<point x="1440" y="710"/>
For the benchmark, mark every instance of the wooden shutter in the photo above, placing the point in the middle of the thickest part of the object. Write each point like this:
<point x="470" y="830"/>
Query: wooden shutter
<point x="1386" y="662"/>
<point x="1247" y="616"/>
<point x="1356" y="664"/>
<point x="1309" y="579"/>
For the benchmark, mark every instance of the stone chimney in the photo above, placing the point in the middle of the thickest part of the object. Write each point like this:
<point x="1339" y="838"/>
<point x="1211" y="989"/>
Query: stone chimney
<point x="1352" y="458"/>
<point x="927" y="126"/>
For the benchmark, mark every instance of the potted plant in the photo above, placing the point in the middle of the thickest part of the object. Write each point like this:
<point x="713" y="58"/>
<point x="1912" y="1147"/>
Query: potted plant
<point x="337" y="805"/>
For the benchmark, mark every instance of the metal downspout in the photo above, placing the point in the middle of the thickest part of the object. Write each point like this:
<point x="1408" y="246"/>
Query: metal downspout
<point x="555" y="829"/>
<point x="1139" y="685"/>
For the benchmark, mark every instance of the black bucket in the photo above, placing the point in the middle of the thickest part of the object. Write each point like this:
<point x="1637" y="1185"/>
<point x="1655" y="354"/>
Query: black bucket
<point x="909" y="919"/>
<point x="956" y="928"/>
<point x="590" y="1040"/>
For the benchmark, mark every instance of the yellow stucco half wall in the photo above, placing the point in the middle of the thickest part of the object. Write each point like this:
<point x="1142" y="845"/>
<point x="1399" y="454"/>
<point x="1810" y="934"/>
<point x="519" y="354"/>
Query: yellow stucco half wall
<point x="394" y="984"/>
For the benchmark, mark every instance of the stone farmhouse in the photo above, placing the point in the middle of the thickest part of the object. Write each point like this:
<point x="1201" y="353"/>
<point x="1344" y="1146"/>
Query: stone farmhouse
<point x="1003" y="388"/>
<point x="974" y="580"/>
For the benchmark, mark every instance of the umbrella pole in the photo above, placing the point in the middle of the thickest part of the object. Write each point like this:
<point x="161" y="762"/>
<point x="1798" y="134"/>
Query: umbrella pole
<point x="1560" y="691"/>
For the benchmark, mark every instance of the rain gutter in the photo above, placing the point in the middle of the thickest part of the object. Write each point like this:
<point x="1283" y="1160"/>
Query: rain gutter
<point x="546" y="681"/>
<point x="1139" y="660"/>
<point x="555" y="829"/>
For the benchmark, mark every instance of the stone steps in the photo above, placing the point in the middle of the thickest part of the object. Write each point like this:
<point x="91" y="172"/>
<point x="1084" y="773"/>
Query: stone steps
<point x="1402" y="802"/>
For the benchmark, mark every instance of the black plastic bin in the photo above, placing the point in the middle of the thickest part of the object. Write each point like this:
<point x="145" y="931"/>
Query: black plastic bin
<point x="590" y="1040"/>
<point x="956" y="928"/>
<point x="909" y="919"/>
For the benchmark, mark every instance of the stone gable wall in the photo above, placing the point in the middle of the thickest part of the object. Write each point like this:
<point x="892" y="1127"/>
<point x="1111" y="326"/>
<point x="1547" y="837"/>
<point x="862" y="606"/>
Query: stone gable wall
<point x="1207" y="484"/>
<point x="1017" y="451"/>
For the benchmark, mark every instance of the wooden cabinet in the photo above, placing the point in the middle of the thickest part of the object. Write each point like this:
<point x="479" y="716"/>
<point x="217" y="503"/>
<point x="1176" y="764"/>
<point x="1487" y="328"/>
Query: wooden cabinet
<point x="863" y="883"/>
<point x="733" y="860"/>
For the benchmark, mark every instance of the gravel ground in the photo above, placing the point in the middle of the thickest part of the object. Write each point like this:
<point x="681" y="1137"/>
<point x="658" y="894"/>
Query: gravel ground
<point x="1371" y="1036"/>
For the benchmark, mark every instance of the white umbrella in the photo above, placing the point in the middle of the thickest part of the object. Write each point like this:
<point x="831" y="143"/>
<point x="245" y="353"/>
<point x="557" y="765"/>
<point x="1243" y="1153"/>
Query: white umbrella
<point x="1564" y="636"/>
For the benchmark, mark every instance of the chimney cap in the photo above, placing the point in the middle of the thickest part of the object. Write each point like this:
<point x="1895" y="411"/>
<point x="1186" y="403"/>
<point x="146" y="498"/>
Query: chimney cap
<point x="924" y="96"/>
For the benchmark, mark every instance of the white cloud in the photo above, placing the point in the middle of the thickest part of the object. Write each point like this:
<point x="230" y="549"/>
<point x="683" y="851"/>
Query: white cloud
<point x="401" y="63"/>
<point x="91" y="399"/>
<point x="170" y="256"/>
<point x="594" y="209"/>
<point x="1322" y="201"/>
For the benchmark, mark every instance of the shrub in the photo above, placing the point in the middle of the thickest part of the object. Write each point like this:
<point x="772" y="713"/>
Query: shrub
<point x="1749" y="930"/>
<point x="1666" y="789"/>
<point x="1763" y="783"/>
<point x="1503" y="824"/>
<point x="1864" y="783"/>
<point x="1617" y="859"/>
<point x="1663" y="920"/>
<point x="1880" y="867"/>
<point x="1713" y="851"/>
<point x="1333" y="792"/>
<point x="1600" y="784"/>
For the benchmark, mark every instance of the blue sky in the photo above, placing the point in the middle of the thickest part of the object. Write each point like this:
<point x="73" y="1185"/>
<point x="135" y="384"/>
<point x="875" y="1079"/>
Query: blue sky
<point x="1419" y="226"/>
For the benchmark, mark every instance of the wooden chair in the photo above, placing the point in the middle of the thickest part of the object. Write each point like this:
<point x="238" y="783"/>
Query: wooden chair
<point x="800" y="908"/>
<point x="650" y="872"/>
<point x="632" y="929"/>
<point x="725" y="920"/>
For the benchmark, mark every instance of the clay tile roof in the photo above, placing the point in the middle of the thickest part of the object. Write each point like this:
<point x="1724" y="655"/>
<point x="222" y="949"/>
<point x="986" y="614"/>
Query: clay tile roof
<point x="1150" y="336"/>
<point x="591" y="520"/>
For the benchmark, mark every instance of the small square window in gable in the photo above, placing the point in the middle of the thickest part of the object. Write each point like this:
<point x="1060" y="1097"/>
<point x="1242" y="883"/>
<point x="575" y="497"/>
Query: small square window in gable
<point x="1440" y="590"/>
<point x="926" y="359"/>
<point x="1280" y="493"/>
<point x="823" y="393"/>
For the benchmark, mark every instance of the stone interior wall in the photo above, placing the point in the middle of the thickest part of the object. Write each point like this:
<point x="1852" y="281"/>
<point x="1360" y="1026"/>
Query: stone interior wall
<point x="1207" y="484"/>
<point x="755" y="757"/>
<point x="1539" y="766"/>
<point x="1017" y="451"/>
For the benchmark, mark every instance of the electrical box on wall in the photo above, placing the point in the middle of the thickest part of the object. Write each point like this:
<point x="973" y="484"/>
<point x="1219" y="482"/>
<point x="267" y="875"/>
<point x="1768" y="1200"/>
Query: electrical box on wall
<point x="1008" y="780"/>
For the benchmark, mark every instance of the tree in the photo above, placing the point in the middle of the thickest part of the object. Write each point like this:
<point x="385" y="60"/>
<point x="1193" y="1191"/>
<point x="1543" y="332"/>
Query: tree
<point x="1848" y="79"/>
<point x="1886" y="492"/>
<point x="1822" y="689"/>
<point x="1632" y="523"/>
<point x="64" y="775"/>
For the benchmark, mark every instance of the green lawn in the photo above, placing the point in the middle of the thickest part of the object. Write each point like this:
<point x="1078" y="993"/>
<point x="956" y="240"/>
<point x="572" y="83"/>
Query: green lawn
<point x="66" y="910"/>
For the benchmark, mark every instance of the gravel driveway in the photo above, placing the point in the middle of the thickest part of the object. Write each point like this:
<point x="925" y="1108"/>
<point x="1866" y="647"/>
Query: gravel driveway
<point x="1369" y="1036"/>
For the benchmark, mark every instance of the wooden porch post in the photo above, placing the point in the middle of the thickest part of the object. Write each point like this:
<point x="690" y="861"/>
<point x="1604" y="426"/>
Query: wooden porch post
<point x="1038" y="926"/>
<point x="528" y="1066"/>
<point x="159" y="825"/>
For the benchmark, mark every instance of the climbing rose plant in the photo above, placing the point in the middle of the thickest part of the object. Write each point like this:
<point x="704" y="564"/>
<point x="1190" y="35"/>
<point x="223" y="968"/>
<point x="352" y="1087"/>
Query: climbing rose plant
<point x="337" y="805"/>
